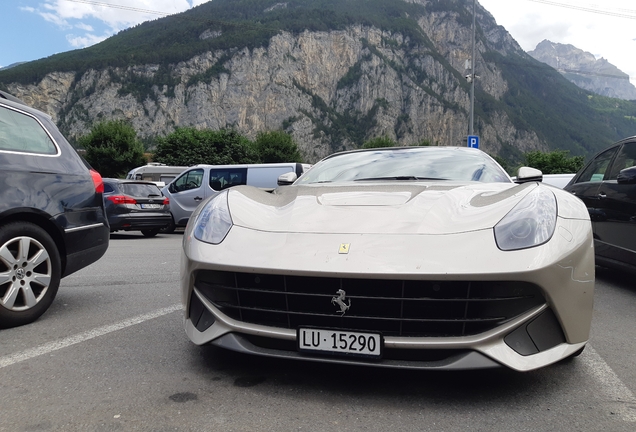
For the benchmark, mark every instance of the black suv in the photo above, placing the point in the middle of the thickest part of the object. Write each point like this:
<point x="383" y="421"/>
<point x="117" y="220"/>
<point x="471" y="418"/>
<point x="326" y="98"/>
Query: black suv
<point x="52" y="218"/>
<point x="136" y="205"/>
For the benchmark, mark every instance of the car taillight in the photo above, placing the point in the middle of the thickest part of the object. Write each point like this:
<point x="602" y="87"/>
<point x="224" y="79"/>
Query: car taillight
<point x="97" y="181"/>
<point x="122" y="199"/>
<point x="166" y="201"/>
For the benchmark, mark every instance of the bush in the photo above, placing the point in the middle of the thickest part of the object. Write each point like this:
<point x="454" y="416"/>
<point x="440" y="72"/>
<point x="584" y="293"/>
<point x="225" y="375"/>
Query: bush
<point x="379" y="142"/>
<point x="555" y="162"/>
<point x="422" y="143"/>
<point x="277" y="146"/>
<point x="189" y="146"/>
<point x="112" y="148"/>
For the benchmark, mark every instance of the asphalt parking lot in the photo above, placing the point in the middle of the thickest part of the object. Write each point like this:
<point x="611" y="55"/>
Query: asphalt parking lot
<point x="111" y="355"/>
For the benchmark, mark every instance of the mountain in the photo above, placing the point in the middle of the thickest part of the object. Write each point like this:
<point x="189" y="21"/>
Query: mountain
<point x="333" y="73"/>
<point x="583" y="69"/>
<point x="12" y="65"/>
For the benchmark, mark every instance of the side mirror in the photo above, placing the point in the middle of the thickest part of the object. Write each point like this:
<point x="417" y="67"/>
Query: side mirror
<point x="527" y="174"/>
<point x="287" y="179"/>
<point x="627" y="176"/>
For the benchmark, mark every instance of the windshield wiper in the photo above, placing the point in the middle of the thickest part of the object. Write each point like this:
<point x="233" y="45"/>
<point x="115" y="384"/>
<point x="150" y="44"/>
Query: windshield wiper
<point x="399" y="178"/>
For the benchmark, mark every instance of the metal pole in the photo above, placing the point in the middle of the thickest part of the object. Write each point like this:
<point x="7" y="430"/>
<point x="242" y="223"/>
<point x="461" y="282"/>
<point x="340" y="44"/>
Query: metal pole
<point x="472" y="80"/>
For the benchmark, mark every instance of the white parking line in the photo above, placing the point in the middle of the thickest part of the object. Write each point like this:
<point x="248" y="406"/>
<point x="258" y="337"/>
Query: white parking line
<point x="620" y="397"/>
<point x="82" y="337"/>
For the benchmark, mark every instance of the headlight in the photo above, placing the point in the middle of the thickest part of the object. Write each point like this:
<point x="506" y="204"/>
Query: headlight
<point x="530" y="223"/>
<point x="214" y="220"/>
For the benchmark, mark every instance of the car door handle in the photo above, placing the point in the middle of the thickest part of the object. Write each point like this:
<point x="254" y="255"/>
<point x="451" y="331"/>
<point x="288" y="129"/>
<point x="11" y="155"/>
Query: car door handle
<point x="602" y="195"/>
<point x="198" y="198"/>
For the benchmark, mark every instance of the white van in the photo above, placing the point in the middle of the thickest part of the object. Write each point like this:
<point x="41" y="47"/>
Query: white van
<point x="201" y="181"/>
<point x="161" y="174"/>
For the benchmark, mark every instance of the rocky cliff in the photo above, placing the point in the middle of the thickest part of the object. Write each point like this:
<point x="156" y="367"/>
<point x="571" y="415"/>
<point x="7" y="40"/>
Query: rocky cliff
<point x="585" y="70"/>
<point x="331" y="89"/>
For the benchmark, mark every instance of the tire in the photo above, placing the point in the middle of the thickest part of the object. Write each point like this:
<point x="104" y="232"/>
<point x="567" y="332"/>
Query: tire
<point x="150" y="232"/>
<point x="578" y="352"/>
<point x="572" y="356"/>
<point x="30" y="273"/>
<point x="168" y="229"/>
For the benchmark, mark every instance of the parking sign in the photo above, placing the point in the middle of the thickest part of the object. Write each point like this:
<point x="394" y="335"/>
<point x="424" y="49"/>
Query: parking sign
<point x="473" y="141"/>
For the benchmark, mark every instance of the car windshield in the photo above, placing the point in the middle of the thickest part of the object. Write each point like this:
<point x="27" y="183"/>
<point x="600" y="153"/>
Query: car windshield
<point x="407" y="164"/>
<point x="141" y="189"/>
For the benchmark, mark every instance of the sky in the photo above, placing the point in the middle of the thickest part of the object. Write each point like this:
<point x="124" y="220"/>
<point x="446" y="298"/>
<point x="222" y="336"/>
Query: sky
<point x="605" y="28"/>
<point x="33" y="29"/>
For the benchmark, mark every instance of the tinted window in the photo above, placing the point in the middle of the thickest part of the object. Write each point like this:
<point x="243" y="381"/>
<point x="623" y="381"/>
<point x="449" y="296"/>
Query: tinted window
<point x="595" y="171"/>
<point x="267" y="177"/>
<point x="626" y="158"/>
<point x="108" y="188"/>
<point x="166" y="178"/>
<point x="189" y="180"/>
<point x="22" y="133"/>
<point x="224" y="178"/>
<point x="408" y="163"/>
<point x="140" y="189"/>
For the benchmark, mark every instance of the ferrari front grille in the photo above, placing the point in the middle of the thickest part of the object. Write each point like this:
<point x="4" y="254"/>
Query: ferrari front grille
<point x="392" y="307"/>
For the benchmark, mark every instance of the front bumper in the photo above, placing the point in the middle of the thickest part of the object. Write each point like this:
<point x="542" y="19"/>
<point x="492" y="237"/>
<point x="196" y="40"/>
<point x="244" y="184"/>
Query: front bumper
<point x="563" y="268"/>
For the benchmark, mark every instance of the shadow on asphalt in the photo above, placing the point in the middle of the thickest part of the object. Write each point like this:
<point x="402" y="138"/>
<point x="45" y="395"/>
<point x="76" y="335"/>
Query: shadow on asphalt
<point x="436" y="387"/>
<point x="622" y="279"/>
<point x="132" y="235"/>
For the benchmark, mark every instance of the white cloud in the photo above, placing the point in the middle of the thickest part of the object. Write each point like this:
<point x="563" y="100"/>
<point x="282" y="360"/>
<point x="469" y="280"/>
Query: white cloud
<point x="69" y="15"/>
<point x="85" y="27"/>
<point x="55" y="19"/>
<point x="84" y="41"/>
<point x="115" y="18"/>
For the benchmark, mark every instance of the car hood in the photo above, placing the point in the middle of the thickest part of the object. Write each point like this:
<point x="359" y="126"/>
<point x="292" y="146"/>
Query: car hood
<point x="382" y="208"/>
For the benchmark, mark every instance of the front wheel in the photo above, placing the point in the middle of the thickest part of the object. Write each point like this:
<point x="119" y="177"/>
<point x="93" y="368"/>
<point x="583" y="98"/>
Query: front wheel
<point x="150" y="232"/>
<point x="30" y="273"/>
<point x="573" y="355"/>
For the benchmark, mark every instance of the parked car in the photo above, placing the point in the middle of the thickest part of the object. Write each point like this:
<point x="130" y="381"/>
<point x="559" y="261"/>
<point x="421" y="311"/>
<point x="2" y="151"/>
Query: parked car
<point x="557" y="180"/>
<point x="607" y="186"/>
<point x="412" y="257"/>
<point x="202" y="181"/>
<point x="158" y="173"/>
<point x="135" y="205"/>
<point x="52" y="219"/>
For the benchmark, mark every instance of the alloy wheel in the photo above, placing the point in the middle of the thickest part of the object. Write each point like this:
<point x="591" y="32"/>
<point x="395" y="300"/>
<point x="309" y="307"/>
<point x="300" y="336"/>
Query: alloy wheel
<point x="25" y="273"/>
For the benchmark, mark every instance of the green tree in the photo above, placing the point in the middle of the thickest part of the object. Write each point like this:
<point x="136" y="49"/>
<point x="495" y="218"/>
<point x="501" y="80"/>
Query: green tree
<point x="379" y="142"/>
<point x="276" y="146"/>
<point x="503" y="162"/>
<point x="189" y="146"/>
<point x="422" y="143"/>
<point x="554" y="162"/>
<point x="112" y="148"/>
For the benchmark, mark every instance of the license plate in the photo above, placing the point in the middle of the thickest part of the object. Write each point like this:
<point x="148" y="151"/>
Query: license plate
<point x="340" y="342"/>
<point x="151" y="206"/>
